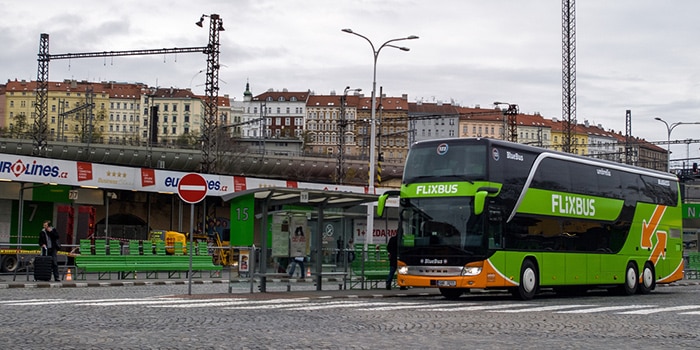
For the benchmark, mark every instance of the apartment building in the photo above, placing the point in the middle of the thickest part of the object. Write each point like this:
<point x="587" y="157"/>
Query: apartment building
<point x="392" y="124"/>
<point x="432" y="120"/>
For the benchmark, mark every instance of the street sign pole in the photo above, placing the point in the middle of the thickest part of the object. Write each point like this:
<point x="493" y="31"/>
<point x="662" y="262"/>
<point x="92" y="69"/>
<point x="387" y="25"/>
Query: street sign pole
<point x="192" y="189"/>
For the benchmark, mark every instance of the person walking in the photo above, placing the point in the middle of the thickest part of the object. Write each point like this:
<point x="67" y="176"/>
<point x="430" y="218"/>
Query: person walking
<point x="392" y="249"/>
<point x="49" y="240"/>
<point x="298" y="260"/>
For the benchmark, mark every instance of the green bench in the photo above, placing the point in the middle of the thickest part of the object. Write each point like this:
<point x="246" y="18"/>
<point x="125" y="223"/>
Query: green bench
<point x="133" y="261"/>
<point x="371" y="271"/>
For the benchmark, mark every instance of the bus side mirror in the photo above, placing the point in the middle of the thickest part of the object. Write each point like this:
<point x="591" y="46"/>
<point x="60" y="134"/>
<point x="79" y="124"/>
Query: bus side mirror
<point x="382" y="201"/>
<point x="480" y="198"/>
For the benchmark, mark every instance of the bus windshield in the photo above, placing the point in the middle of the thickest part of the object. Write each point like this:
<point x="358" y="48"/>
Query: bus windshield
<point x="442" y="223"/>
<point x="442" y="162"/>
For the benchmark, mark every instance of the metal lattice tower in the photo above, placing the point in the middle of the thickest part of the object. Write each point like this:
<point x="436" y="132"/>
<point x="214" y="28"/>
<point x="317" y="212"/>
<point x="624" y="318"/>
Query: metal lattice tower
<point x="209" y="144"/>
<point x="568" y="77"/>
<point x="512" y="114"/>
<point x="629" y="147"/>
<point x="41" y="107"/>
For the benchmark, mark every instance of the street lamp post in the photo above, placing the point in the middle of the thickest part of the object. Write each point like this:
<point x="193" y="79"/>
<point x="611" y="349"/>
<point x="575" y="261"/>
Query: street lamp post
<point x="373" y="124"/>
<point x="669" y="129"/>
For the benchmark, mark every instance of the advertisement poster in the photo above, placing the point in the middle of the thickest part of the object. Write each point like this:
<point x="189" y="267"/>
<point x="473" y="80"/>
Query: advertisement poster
<point x="383" y="230"/>
<point x="299" y="236"/>
<point x="243" y="257"/>
<point x="280" y="235"/>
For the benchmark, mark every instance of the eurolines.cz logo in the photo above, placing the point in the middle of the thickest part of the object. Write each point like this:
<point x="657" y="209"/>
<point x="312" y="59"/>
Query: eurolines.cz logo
<point x="442" y="149"/>
<point x="18" y="168"/>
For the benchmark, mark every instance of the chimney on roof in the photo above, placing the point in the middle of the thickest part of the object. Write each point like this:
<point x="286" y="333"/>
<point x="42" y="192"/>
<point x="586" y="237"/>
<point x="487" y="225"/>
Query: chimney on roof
<point x="477" y="106"/>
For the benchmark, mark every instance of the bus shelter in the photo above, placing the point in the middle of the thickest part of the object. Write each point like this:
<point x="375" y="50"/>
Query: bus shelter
<point x="272" y="198"/>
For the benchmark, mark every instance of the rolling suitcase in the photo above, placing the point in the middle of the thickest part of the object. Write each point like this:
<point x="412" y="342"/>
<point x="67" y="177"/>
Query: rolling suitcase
<point x="43" y="267"/>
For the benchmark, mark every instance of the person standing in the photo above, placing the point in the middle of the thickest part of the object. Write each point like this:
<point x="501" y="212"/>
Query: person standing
<point x="48" y="239"/>
<point x="392" y="249"/>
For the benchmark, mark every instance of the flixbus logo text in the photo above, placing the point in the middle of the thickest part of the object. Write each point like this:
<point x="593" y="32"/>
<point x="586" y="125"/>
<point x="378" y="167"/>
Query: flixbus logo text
<point x="573" y="205"/>
<point x="18" y="168"/>
<point x="437" y="189"/>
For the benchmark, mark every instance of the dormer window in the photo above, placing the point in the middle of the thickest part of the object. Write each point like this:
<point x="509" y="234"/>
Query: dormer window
<point x="280" y="99"/>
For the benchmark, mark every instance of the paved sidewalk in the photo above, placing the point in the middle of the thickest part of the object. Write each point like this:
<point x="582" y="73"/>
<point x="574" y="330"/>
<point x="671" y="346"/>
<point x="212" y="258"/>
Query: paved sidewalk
<point x="238" y="286"/>
<point x="241" y="287"/>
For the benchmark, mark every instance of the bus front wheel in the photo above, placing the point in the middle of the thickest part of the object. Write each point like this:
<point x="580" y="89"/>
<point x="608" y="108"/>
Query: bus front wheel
<point x="529" y="281"/>
<point x="648" y="279"/>
<point x="451" y="293"/>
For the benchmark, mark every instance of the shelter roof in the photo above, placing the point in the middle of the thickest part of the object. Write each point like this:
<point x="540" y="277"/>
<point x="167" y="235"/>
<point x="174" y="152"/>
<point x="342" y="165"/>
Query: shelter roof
<point x="317" y="198"/>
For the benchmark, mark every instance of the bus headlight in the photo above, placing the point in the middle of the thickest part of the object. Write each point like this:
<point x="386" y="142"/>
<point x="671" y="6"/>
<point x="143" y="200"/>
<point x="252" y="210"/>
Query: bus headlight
<point x="402" y="270"/>
<point x="471" y="270"/>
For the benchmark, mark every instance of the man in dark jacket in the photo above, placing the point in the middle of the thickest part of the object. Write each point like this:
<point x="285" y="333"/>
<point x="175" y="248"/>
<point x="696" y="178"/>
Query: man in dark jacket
<point x="392" y="249"/>
<point x="48" y="239"/>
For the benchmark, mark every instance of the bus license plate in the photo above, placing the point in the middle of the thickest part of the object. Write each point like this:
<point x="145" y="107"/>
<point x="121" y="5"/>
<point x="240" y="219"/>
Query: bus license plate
<point x="447" y="283"/>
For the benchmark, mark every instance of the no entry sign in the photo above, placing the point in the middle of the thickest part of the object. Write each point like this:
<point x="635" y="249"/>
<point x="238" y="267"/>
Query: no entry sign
<point x="192" y="188"/>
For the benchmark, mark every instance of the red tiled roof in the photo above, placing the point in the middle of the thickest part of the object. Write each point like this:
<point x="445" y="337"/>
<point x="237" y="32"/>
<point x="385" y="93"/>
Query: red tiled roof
<point x="301" y="96"/>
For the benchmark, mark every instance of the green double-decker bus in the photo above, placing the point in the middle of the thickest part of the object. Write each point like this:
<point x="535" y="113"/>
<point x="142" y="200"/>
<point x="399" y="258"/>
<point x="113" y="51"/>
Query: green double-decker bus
<point x="490" y="214"/>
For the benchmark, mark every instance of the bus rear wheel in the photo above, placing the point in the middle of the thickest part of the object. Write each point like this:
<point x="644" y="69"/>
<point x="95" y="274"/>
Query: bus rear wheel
<point x="451" y="293"/>
<point x="529" y="281"/>
<point x="648" y="279"/>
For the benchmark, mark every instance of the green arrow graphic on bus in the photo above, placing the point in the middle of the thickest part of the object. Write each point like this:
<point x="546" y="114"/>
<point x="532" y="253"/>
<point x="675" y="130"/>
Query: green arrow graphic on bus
<point x="572" y="205"/>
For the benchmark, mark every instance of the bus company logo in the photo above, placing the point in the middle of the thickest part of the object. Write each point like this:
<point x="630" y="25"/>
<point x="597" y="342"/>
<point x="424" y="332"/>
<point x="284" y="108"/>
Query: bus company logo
<point x="663" y="182"/>
<point x="514" y="156"/>
<point x="603" y="172"/>
<point x="437" y="189"/>
<point x="433" y="261"/>
<point x="495" y="154"/>
<point x="442" y="149"/>
<point x="18" y="168"/>
<point x="573" y="205"/>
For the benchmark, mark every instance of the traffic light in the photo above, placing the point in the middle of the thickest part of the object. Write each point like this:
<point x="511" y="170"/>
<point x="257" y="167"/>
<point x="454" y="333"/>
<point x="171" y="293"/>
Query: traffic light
<point x="695" y="168"/>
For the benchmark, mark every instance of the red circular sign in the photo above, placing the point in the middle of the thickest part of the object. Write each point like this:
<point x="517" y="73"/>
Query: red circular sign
<point x="192" y="188"/>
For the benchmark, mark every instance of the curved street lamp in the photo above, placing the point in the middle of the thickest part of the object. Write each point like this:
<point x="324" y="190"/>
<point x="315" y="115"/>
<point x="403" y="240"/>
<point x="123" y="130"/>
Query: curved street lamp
<point x="373" y="124"/>
<point x="669" y="129"/>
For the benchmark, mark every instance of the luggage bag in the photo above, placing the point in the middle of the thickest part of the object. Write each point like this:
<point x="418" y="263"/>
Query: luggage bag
<point x="43" y="267"/>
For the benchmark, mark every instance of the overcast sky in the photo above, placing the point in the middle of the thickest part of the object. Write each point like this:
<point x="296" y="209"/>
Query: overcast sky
<point x="640" y="55"/>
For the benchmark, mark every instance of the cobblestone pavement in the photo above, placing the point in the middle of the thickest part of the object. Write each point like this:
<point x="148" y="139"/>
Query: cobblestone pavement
<point x="163" y="315"/>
